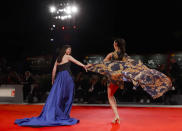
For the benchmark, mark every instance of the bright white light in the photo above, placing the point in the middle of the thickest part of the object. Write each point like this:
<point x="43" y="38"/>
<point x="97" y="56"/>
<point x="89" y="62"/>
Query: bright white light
<point x="69" y="16"/>
<point x="65" y="17"/>
<point x="62" y="18"/>
<point x="54" y="26"/>
<point x="61" y="10"/>
<point x="68" y="10"/>
<point x="74" y="9"/>
<point x="64" y="13"/>
<point x="52" y="9"/>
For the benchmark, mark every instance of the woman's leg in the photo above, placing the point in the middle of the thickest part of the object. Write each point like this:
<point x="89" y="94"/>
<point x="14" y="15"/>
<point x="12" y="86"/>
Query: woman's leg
<point x="111" y="91"/>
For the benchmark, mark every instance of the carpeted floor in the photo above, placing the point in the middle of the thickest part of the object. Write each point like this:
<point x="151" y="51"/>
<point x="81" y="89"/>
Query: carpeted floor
<point x="98" y="118"/>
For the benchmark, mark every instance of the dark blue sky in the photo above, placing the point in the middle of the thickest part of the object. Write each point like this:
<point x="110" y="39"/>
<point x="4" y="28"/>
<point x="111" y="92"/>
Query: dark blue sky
<point x="149" y="26"/>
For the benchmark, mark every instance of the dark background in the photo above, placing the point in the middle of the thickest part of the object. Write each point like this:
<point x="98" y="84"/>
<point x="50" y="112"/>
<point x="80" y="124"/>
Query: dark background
<point x="148" y="27"/>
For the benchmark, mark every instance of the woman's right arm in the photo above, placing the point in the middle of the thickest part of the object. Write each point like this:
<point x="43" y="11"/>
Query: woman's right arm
<point x="108" y="57"/>
<point x="54" y="71"/>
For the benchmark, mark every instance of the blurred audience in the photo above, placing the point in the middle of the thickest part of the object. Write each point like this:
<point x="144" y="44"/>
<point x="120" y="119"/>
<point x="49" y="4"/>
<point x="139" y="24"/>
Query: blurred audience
<point x="27" y="90"/>
<point x="90" y="88"/>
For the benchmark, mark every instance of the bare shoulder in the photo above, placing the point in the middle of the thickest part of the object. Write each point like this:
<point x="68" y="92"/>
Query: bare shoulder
<point x="68" y="56"/>
<point x="110" y="54"/>
<point x="65" y="58"/>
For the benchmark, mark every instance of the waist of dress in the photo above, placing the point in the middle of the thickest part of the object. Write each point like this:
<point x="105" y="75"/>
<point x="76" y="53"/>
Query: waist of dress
<point x="68" y="70"/>
<point x="64" y="70"/>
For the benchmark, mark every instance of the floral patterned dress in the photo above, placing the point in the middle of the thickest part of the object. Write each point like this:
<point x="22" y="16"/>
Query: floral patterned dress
<point x="152" y="81"/>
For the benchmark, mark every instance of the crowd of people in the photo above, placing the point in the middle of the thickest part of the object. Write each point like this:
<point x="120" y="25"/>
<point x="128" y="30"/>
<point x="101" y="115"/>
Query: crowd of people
<point x="35" y="85"/>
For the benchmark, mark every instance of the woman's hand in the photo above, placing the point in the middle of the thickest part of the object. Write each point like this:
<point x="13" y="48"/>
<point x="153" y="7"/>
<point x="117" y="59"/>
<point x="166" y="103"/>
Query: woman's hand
<point x="52" y="82"/>
<point x="88" y="65"/>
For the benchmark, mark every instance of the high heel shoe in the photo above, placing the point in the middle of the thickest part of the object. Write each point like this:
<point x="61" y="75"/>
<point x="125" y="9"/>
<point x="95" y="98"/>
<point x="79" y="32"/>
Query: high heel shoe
<point x="116" y="120"/>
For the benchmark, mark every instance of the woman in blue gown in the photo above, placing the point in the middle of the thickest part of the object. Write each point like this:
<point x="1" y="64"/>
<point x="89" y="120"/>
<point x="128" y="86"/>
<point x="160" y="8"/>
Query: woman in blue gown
<point x="56" y="111"/>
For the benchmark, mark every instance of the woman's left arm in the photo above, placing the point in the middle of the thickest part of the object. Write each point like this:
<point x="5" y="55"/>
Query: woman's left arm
<point x="70" y="58"/>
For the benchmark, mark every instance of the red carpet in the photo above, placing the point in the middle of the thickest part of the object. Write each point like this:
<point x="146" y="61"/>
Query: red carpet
<point x="98" y="118"/>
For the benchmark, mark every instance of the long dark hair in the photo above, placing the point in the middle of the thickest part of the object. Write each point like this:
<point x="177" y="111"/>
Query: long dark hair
<point x="121" y="43"/>
<point x="62" y="52"/>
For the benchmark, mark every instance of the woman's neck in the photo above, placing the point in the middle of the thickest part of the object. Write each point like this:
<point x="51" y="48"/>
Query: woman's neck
<point x="117" y="50"/>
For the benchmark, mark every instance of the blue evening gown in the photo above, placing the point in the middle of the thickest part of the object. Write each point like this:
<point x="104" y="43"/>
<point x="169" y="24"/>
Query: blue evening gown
<point x="58" y="104"/>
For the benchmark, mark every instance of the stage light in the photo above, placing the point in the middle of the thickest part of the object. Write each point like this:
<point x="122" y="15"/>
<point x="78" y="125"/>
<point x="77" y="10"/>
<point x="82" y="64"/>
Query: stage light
<point x="74" y="27"/>
<point x="61" y="10"/>
<point x="68" y="10"/>
<point x="69" y="16"/>
<point x="62" y="27"/>
<point x="54" y="26"/>
<point x="51" y="29"/>
<point x="52" y="9"/>
<point x="64" y="11"/>
<point x="63" y="18"/>
<point x="74" y="9"/>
